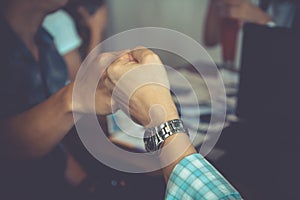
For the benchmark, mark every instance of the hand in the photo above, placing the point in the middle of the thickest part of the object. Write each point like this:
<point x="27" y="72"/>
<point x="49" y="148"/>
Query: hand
<point x="96" y="22"/>
<point x="140" y="80"/>
<point x="243" y="11"/>
<point x="85" y="90"/>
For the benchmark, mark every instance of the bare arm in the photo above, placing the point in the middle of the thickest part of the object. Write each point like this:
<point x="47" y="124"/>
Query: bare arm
<point x="73" y="61"/>
<point x="35" y="132"/>
<point x="240" y="10"/>
<point x="243" y="11"/>
<point x="96" y="24"/>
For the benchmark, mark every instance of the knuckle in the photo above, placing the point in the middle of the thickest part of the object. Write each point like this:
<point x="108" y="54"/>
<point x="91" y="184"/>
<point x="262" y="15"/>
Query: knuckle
<point x="156" y="57"/>
<point x="113" y="72"/>
<point x="149" y="55"/>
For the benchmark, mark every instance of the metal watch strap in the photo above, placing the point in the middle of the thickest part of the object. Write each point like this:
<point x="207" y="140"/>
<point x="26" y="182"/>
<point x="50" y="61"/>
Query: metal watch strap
<point x="155" y="137"/>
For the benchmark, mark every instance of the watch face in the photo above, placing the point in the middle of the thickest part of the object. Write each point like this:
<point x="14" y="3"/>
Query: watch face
<point x="155" y="137"/>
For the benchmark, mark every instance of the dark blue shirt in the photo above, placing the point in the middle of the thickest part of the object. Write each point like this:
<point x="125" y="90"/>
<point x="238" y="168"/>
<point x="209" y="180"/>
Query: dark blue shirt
<point x="24" y="83"/>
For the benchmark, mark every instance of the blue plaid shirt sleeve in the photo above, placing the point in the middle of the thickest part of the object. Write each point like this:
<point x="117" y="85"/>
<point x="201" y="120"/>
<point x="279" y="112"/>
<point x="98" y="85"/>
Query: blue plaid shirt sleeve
<point x="195" y="178"/>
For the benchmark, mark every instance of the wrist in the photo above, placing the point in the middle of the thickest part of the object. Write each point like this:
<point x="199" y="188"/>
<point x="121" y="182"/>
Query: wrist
<point x="159" y="114"/>
<point x="183" y="139"/>
<point x="69" y="105"/>
<point x="67" y="92"/>
<point x="150" y="110"/>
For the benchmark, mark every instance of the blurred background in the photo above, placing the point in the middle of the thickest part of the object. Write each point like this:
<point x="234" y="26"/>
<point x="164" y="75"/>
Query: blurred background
<point x="187" y="17"/>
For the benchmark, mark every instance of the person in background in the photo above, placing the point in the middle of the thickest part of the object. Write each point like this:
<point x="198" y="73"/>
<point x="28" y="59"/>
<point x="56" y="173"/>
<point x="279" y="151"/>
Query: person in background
<point x="273" y="16"/>
<point x="67" y="41"/>
<point x="225" y="19"/>
<point x="273" y="13"/>
<point x="90" y="17"/>
<point x="77" y="30"/>
<point x="35" y="113"/>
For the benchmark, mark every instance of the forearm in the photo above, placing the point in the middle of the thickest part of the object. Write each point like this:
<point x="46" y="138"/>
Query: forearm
<point x="95" y="39"/>
<point x="73" y="61"/>
<point x="35" y="132"/>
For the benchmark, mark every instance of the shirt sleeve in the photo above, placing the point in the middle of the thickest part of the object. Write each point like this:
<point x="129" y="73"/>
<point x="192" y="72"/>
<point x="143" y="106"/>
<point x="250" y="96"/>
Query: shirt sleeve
<point x="195" y="178"/>
<point x="62" y="27"/>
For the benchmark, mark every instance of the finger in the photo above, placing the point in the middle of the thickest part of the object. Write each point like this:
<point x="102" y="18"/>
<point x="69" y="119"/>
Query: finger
<point x="117" y="69"/>
<point x="139" y="53"/>
<point x="145" y="56"/>
<point x="125" y="56"/>
<point x="109" y="57"/>
<point x="122" y="52"/>
<point x="114" y="54"/>
<point x="124" y="59"/>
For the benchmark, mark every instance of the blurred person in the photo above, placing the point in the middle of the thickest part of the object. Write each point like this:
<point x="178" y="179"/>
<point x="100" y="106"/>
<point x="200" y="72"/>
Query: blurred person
<point x="90" y="17"/>
<point x="77" y="30"/>
<point x="225" y="19"/>
<point x="279" y="13"/>
<point x="35" y="107"/>
<point x="276" y="20"/>
<point x="67" y="41"/>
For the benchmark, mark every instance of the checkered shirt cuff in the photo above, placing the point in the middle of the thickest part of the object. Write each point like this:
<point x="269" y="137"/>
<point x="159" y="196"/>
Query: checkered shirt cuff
<point x="195" y="178"/>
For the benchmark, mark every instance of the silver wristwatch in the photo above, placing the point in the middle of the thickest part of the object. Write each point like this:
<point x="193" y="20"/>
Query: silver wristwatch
<point x="155" y="137"/>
